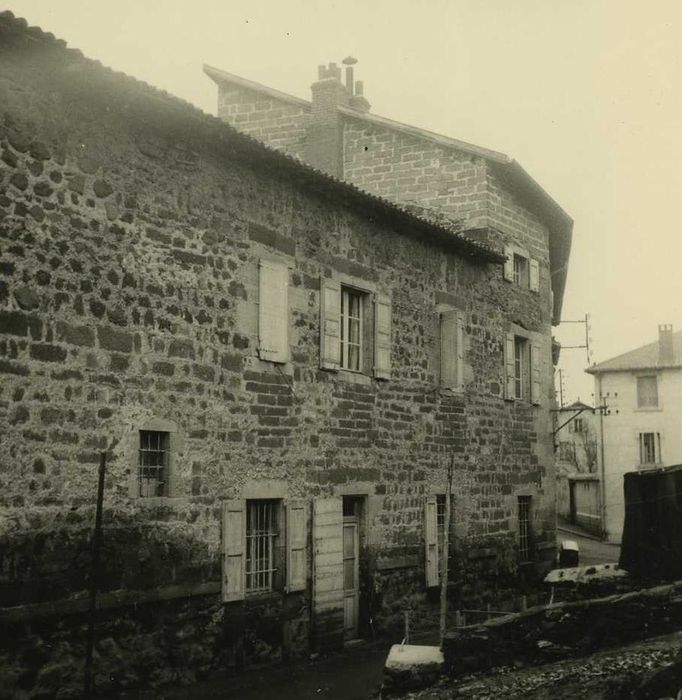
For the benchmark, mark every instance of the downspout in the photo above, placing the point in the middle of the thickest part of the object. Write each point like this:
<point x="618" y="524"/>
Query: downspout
<point x="603" y="467"/>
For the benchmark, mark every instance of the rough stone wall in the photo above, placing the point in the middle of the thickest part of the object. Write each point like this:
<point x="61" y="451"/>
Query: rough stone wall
<point x="130" y="232"/>
<point x="278" y="123"/>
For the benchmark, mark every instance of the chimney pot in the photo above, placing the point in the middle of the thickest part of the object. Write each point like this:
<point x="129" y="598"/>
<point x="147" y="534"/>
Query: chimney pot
<point x="321" y="70"/>
<point x="349" y="80"/>
<point x="359" y="88"/>
<point x="666" y="349"/>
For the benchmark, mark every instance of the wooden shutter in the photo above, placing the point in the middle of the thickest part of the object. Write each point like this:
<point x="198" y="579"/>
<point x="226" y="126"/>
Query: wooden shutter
<point x="234" y="543"/>
<point x="328" y="570"/>
<point x="448" y="349"/>
<point x="273" y="311"/>
<point x="534" y="277"/>
<point x="460" y="352"/>
<point x="535" y="372"/>
<point x="431" y="540"/>
<point x="509" y="366"/>
<point x="382" y="337"/>
<point x="297" y="530"/>
<point x="509" y="264"/>
<point x="330" y="324"/>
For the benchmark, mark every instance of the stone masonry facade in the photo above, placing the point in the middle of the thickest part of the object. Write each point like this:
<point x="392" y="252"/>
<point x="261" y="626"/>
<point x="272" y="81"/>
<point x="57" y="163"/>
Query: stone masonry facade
<point x="132" y="228"/>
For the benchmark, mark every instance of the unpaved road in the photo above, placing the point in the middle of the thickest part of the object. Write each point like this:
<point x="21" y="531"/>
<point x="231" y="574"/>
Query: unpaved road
<point x="608" y="675"/>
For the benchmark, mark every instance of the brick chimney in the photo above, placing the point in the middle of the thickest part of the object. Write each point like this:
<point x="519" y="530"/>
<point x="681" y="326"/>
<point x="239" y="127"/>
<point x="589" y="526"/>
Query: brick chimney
<point x="324" y="134"/>
<point x="666" y="350"/>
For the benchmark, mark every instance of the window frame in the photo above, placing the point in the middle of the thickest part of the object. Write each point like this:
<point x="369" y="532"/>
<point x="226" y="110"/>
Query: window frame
<point x="640" y="405"/>
<point x="162" y="440"/>
<point x="525" y="527"/>
<point x="521" y="269"/>
<point x="653" y="448"/>
<point x="522" y="368"/>
<point x="271" y="539"/>
<point x="364" y="345"/>
<point x="176" y="447"/>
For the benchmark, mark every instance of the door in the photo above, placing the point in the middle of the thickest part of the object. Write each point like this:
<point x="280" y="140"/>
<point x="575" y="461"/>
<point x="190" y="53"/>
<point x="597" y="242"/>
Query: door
<point x="351" y="576"/>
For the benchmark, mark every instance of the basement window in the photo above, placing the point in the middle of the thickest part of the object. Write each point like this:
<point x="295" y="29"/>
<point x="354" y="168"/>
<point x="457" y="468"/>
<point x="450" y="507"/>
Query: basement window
<point x="152" y="474"/>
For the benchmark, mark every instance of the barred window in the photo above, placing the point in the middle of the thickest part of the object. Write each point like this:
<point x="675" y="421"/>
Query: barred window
<point x="152" y="474"/>
<point x="262" y="531"/>
<point x="524" y="528"/>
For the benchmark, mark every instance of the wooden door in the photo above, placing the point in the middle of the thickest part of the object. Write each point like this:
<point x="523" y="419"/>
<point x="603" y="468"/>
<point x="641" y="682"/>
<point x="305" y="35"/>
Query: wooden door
<point x="351" y="576"/>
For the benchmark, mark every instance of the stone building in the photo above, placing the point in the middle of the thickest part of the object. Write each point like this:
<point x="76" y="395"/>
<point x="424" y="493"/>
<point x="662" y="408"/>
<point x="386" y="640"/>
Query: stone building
<point x="279" y="367"/>
<point x="578" y="466"/>
<point x="641" y="390"/>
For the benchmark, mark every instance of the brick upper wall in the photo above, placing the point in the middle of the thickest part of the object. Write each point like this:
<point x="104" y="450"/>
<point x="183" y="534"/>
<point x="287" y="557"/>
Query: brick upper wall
<point x="278" y="123"/>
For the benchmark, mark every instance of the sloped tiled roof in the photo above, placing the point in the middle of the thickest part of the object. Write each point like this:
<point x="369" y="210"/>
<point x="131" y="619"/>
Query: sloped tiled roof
<point x="645" y="357"/>
<point x="508" y="170"/>
<point x="256" y="152"/>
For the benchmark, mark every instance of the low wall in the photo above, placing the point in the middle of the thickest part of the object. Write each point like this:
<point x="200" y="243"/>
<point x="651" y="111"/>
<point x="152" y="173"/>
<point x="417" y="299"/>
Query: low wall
<point x="564" y="629"/>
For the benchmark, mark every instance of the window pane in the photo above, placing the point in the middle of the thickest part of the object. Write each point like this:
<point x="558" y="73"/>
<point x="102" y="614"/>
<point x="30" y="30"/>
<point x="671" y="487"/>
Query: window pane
<point x="349" y="574"/>
<point x="647" y="392"/>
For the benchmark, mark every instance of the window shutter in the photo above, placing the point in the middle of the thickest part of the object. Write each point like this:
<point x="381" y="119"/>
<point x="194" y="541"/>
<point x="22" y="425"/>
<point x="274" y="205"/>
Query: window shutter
<point x="448" y="349"/>
<point x="330" y="324"/>
<point x="534" y="279"/>
<point x="328" y="568"/>
<point x="460" y="353"/>
<point x="382" y="337"/>
<point x="509" y="264"/>
<point x="535" y="373"/>
<point x="431" y="540"/>
<point x="234" y="540"/>
<point x="296" y="545"/>
<point x="273" y="311"/>
<point x="509" y="366"/>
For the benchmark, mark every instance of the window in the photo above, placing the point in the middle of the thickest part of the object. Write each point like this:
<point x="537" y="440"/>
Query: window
<point x="452" y="350"/>
<point x="262" y="533"/>
<point x="523" y="363"/>
<point x="440" y="528"/>
<point x="520" y="367"/>
<point x="260" y="553"/>
<point x="352" y="303"/>
<point x="567" y="452"/>
<point x="355" y="329"/>
<point x="649" y="449"/>
<point x="525" y="535"/>
<point x="152" y="473"/>
<point x="578" y="425"/>
<point x="520" y="270"/>
<point x="647" y="392"/>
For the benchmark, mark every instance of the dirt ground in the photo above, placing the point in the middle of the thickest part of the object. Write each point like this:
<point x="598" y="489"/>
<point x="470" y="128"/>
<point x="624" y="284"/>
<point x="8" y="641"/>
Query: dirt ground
<point x="608" y="675"/>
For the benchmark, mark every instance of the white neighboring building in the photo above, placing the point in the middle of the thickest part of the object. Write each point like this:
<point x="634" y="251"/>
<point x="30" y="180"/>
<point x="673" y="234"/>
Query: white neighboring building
<point x="640" y="428"/>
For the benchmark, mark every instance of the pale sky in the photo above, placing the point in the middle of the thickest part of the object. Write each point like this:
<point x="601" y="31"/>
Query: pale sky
<point x="585" y="94"/>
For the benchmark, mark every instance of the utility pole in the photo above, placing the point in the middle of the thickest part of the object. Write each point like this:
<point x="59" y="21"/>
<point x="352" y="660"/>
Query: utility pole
<point x="445" y="554"/>
<point x="94" y="575"/>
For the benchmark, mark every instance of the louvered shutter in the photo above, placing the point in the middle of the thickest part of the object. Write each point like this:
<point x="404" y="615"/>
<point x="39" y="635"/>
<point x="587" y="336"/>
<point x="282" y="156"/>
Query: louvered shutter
<point x="534" y="278"/>
<point x="297" y="523"/>
<point x="431" y="540"/>
<point x="448" y="349"/>
<point x="460" y="353"/>
<point x="509" y="264"/>
<point x="234" y="542"/>
<point x="273" y="311"/>
<point x="509" y="366"/>
<point x="330" y="324"/>
<point x="382" y="337"/>
<point x="535" y="372"/>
